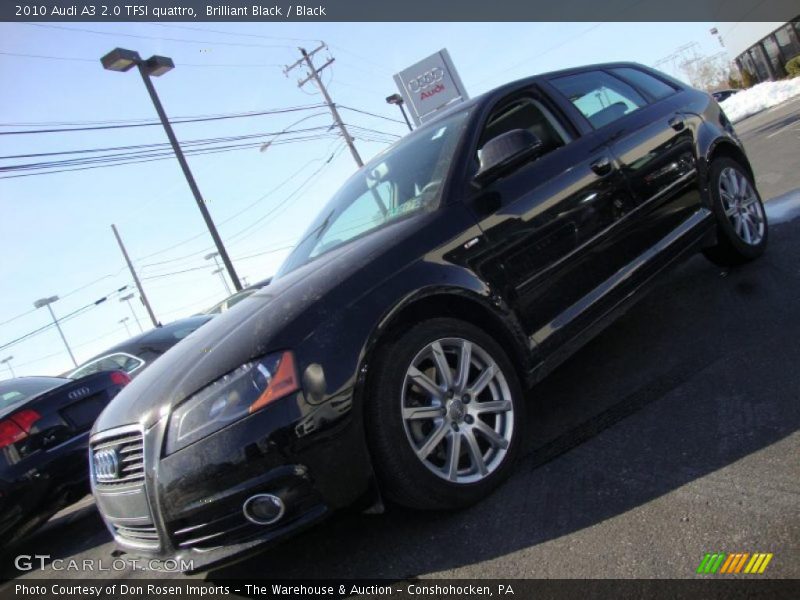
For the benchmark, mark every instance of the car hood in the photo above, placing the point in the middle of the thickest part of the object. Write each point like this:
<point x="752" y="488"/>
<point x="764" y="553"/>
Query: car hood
<point x="274" y="318"/>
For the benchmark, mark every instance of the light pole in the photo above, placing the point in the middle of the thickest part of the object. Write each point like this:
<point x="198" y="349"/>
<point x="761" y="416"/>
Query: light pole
<point x="7" y="362"/>
<point x="398" y="100"/>
<point x="47" y="302"/>
<point x="128" y="300"/>
<point x="123" y="60"/>
<point x="124" y="321"/>
<point x="213" y="255"/>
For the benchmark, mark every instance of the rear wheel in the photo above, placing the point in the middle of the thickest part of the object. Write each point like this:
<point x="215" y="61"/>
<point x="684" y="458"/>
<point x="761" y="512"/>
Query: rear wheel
<point x="444" y="415"/>
<point x="741" y="221"/>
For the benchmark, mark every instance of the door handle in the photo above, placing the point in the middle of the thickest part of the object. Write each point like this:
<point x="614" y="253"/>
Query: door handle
<point x="677" y="123"/>
<point x="602" y="166"/>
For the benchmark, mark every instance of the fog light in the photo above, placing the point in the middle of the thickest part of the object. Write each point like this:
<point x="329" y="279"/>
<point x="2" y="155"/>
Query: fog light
<point x="263" y="509"/>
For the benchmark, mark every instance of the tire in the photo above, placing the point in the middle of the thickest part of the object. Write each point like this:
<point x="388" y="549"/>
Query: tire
<point x="408" y="410"/>
<point x="742" y="229"/>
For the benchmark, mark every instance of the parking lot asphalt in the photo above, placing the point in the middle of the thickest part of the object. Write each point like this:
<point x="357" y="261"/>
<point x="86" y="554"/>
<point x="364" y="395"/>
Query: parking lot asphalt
<point x="672" y="434"/>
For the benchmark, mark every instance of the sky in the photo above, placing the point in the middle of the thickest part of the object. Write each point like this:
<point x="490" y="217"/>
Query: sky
<point x="55" y="229"/>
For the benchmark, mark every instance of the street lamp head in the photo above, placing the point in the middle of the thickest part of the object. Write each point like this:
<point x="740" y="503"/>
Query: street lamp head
<point x="123" y="319"/>
<point x="124" y="298"/>
<point x="156" y="66"/>
<point x="7" y="359"/>
<point x="44" y="301"/>
<point x="211" y="255"/>
<point x="120" y="59"/>
<point x="394" y="99"/>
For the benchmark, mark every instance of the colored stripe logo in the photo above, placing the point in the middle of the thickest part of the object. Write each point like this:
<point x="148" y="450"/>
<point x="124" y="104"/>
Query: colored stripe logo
<point x="738" y="562"/>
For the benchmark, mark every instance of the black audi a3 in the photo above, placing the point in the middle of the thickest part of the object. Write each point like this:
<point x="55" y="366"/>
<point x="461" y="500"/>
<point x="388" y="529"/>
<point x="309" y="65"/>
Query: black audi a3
<point x="388" y="357"/>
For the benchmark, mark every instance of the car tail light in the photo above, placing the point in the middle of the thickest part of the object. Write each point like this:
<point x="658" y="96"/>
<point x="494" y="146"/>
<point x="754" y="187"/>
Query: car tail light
<point x="26" y="418"/>
<point x="17" y="426"/>
<point x="120" y="378"/>
<point x="10" y="433"/>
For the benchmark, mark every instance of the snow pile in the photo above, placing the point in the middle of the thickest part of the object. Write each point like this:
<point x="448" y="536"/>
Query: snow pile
<point x="760" y="97"/>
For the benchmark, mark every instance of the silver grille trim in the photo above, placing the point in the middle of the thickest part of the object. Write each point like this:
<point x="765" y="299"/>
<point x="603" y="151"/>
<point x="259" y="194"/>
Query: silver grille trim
<point x="128" y="445"/>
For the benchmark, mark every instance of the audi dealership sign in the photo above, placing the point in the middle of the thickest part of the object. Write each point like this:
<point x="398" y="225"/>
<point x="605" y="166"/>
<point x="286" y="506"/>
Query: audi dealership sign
<point x="430" y="85"/>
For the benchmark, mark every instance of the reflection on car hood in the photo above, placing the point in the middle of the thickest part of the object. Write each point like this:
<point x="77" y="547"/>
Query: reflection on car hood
<point x="255" y="326"/>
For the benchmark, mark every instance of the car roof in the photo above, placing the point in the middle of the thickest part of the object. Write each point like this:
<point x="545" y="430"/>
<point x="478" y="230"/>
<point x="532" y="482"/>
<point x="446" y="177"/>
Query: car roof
<point x="511" y="86"/>
<point x="153" y="335"/>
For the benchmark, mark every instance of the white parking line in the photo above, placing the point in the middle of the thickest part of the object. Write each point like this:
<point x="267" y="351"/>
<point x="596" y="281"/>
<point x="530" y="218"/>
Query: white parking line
<point x="781" y="130"/>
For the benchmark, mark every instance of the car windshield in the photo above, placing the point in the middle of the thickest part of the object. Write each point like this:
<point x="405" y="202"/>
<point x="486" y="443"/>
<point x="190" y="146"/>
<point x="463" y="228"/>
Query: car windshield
<point x="404" y="181"/>
<point x="17" y="391"/>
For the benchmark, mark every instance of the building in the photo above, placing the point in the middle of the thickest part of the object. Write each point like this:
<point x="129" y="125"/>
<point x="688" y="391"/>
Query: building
<point x="761" y="49"/>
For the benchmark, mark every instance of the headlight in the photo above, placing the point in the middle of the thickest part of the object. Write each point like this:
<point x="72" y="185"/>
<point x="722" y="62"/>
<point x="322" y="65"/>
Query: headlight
<point x="234" y="395"/>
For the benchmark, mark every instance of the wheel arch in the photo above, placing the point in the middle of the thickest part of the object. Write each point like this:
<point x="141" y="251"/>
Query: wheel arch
<point x="489" y="314"/>
<point x="723" y="148"/>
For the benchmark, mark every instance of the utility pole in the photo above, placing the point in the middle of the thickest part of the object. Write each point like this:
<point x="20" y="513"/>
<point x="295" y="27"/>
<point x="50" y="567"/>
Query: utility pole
<point x="127" y="299"/>
<point x="47" y="302"/>
<point x="313" y="74"/>
<point x="138" y="283"/>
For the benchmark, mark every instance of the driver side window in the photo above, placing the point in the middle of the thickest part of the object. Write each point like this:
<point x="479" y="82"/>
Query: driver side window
<point x="530" y="114"/>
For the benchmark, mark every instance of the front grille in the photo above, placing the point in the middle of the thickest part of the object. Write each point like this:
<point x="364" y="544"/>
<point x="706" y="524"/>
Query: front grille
<point x="140" y="535"/>
<point x="129" y="447"/>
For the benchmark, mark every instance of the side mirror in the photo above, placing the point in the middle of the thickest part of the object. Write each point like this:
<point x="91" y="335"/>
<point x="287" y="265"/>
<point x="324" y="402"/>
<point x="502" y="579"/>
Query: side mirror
<point x="506" y="151"/>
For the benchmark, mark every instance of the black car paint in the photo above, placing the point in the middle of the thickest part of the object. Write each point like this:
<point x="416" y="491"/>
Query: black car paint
<point x="526" y="257"/>
<point x="47" y="470"/>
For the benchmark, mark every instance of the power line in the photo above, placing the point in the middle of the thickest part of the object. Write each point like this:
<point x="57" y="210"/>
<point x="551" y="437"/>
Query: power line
<point x="180" y="63"/>
<point x="176" y="121"/>
<point x="289" y="197"/>
<point x="237" y="34"/>
<point x="371" y="114"/>
<point x="230" y="218"/>
<point x="157" y="38"/>
<point x="63" y="319"/>
<point x="159" y="156"/>
<point x="143" y="148"/>
<point x="19" y="316"/>
<point x="226" y="220"/>
<point x="144" y="119"/>
<point x="248" y="230"/>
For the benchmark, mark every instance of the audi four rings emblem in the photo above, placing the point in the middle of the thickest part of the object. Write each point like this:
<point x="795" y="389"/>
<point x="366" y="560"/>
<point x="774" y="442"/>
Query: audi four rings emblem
<point x="79" y="393"/>
<point x="106" y="464"/>
<point x="427" y="79"/>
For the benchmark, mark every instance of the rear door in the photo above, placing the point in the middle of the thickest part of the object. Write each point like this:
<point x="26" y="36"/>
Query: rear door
<point x="549" y="225"/>
<point x="640" y="117"/>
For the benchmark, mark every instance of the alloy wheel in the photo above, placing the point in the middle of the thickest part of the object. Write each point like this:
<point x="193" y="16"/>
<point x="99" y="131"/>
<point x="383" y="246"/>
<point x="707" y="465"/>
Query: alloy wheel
<point x="457" y="410"/>
<point x="742" y="207"/>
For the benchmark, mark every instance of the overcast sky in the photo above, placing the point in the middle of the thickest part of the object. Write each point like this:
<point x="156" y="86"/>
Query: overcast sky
<point x="55" y="228"/>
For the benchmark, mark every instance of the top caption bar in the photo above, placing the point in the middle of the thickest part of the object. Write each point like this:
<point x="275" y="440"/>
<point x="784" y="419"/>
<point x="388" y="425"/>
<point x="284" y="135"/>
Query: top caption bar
<point x="404" y="10"/>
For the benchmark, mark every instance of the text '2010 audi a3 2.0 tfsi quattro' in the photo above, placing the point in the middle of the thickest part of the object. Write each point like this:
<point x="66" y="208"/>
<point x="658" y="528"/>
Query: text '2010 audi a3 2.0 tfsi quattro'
<point x="389" y="355"/>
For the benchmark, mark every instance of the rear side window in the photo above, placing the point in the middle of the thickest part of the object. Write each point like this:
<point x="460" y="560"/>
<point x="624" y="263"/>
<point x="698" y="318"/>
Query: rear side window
<point x="601" y="97"/>
<point x="651" y="86"/>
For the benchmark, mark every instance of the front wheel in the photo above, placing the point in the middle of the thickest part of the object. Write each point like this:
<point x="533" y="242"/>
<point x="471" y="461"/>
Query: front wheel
<point x="741" y="221"/>
<point x="444" y="415"/>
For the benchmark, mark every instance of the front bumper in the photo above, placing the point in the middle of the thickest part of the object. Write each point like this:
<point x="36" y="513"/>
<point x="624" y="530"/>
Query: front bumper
<point x="187" y="506"/>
